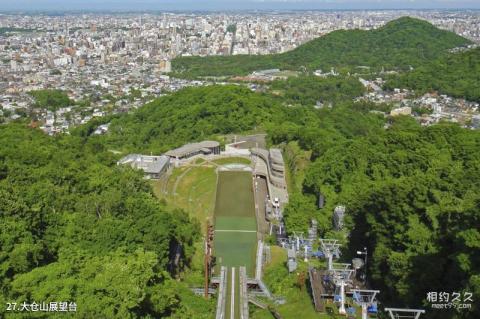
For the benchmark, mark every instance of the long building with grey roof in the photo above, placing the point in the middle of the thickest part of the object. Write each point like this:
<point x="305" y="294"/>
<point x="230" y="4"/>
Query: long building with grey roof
<point x="189" y="150"/>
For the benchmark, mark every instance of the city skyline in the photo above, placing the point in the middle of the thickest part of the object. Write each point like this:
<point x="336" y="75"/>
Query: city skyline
<point x="217" y="5"/>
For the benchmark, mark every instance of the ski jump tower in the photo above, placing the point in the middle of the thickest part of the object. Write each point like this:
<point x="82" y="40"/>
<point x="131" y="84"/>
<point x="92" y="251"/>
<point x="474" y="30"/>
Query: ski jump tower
<point x="330" y="247"/>
<point x="401" y="313"/>
<point x="365" y="299"/>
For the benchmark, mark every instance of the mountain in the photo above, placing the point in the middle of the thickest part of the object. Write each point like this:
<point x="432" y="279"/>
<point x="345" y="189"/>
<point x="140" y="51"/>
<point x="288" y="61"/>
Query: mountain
<point x="399" y="44"/>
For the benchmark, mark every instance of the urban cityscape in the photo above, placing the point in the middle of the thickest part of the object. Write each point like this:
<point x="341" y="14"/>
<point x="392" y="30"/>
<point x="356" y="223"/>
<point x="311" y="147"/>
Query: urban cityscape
<point x="100" y="59"/>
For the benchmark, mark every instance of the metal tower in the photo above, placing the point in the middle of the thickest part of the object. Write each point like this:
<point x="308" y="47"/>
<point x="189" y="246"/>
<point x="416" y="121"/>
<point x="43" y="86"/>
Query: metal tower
<point x="364" y="298"/>
<point x="399" y="313"/>
<point x="341" y="277"/>
<point x="330" y="247"/>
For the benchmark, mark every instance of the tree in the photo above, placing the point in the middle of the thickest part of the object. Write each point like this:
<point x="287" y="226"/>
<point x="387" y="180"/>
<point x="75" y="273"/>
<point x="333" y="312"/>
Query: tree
<point x="50" y="99"/>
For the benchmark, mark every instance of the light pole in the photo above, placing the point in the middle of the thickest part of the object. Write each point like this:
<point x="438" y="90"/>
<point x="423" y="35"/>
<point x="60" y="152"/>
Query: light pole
<point x="365" y="253"/>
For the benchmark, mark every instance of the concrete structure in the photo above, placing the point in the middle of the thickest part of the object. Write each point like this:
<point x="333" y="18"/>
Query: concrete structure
<point x="153" y="166"/>
<point x="313" y="230"/>
<point x="338" y="217"/>
<point x="233" y="149"/>
<point x="165" y="66"/>
<point x="222" y="293"/>
<point x="187" y="151"/>
<point x="275" y="165"/>
<point x="476" y="121"/>
<point x="243" y="296"/>
<point x="406" y="110"/>
<point x="292" y="260"/>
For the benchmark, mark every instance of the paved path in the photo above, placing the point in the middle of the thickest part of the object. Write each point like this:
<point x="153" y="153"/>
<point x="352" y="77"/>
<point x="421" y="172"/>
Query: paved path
<point x="261" y="193"/>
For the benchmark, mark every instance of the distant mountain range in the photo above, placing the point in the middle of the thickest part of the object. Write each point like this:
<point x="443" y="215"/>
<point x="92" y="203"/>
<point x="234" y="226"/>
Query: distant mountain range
<point x="399" y="44"/>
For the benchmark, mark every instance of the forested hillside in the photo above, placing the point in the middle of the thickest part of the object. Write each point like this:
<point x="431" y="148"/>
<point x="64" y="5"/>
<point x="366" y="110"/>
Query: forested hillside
<point x="308" y="90"/>
<point x="412" y="197"/>
<point x="457" y="74"/>
<point x="75" y="228"/>
<point x="412" y="193"/>
<point x="78" y="228"/>
<point x="190" y="115"/>
<point x="399" y="44"/>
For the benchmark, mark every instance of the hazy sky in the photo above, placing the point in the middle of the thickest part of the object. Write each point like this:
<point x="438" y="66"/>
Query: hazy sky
<point x="232" y="4"/>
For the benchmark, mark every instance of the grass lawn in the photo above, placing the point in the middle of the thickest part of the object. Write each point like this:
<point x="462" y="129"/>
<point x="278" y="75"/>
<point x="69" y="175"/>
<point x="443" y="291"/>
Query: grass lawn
<point x="235" y="195"/>
<point x="235" y="212"/>
<point x="235" y="223"/>
<point x="199" y="161"/>
<point x="298" y="161"/>
<point x="232" y="160"/>
<point x="236" y="249"/>
<point x="195" y="192"/>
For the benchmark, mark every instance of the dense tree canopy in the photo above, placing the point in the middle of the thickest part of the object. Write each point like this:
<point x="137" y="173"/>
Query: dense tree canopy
<point x="412" y="197"/>
<point x="309" y="90"/>
<point x="190" y="115"/>
<point x="77" y="228"/>
<point x="50" y="99"/>
<point x="457" y="75"/>
<point x="399" y="44"/>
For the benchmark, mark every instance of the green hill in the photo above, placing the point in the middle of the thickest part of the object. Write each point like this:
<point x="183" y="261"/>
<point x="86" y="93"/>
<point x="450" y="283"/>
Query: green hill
<point x="78" y="227"/>
<point x="192" y="114"/>
<point x="457" y="74"/>
<point x="399" y="44"/>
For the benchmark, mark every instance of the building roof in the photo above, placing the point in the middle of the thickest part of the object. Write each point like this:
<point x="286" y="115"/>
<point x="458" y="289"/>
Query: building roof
<point x="276" y="155"/>
<point x="192" y="148"/>
<point x="149" y="164"/>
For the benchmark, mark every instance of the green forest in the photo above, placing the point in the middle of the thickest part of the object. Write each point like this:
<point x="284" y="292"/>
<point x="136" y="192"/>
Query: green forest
<point x="191" y="115"/>
<point x="76" y="228"/>
<point x="400" y="44"/>
<point x="51" y="100"/>
<point x="72" y="216"/>
<point x="308" y="90"/>
<point x="412" y="197"/>
<point x="457" y="74"/>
